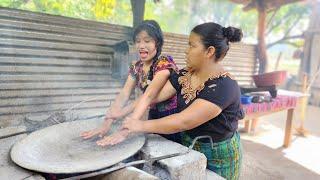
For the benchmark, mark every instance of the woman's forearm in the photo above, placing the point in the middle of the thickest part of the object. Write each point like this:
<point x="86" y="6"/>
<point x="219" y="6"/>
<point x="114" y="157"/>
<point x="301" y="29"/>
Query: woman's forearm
<point x="169" y="125"/>
<point x="124" y="95"/>
<point x="196" y="114"/>
<point x="141" y="105"/>
<point x="154" y="89"/>
<point x="129" y="108"/>
<point x="120" y="100"/>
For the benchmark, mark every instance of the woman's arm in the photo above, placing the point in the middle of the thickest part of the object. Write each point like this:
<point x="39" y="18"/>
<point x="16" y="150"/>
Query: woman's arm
<point x="166" y="93"/>
<point x="141" y="105"/>
<point x="113" y="112"/>
<point x="125" y="110"/>
<point x="124" y="94"/>
<point x="156" y="86"/>
<point x="199" y="112"/>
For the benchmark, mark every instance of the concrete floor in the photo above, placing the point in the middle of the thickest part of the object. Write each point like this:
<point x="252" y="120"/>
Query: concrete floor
<point x="265" y="158"/>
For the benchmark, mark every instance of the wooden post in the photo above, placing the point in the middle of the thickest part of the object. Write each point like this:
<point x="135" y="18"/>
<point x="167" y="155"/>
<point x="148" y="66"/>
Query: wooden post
<point x="288" y="130"/>
<point x="262" y="52"/>
<point x="137" y="11"/>
<point x="247" y="125"/>
<point x="303" y="107"/>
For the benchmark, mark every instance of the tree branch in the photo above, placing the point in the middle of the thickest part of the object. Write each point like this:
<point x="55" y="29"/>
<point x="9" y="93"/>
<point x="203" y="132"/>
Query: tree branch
<point x="291" y="43"/>
<point x="278" y="23"/>
<point x="279" y="3"/>
<point x="285" y="36"/>
<point x="272" y="16"/>
<point x="284" y="40"/>
<point x="292" y="26"/>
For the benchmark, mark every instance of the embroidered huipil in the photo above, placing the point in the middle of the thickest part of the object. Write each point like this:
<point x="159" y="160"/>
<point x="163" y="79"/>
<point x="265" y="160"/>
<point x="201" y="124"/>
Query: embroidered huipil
<point x="220" y="90"/>
<point x="163" y="62"/>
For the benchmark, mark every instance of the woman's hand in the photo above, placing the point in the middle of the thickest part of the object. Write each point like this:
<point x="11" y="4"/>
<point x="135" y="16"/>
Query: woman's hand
<point x="132" y="125"/>
<point x="98" y="131"/>
<point x="113" y="113"/>
<point x="114" y="138"/>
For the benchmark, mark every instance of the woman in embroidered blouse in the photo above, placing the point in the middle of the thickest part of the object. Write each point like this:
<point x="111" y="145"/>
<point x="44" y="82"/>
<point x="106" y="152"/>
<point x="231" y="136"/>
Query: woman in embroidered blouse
<point x="208" y="101"/>
<point x="149" y="73"/>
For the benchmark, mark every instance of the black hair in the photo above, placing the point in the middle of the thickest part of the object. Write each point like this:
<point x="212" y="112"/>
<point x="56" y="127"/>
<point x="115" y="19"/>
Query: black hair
<point x="154" y="31"/>
<point x="215" y="35"/>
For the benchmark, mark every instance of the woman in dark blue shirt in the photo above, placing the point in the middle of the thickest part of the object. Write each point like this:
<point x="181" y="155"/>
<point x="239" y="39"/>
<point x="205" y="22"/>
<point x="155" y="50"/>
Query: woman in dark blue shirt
<point x="208" y="101"/>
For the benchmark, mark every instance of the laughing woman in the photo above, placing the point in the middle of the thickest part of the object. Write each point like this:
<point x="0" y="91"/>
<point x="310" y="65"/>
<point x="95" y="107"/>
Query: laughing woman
<point x="150" y="73"/>
<point x="208" y="101"/>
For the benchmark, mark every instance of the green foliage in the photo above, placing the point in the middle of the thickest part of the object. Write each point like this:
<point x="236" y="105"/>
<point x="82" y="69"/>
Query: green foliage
<point x="104" y="9"/>
<point x="101" y="10"/>
<point x="288" y="21"/>
<point x="11" y="3"/>
<point x="122" y="13"/>
<point x="173" y="17"/>
<point x="247" y="21"/>
<point x="178" y="16"/>
<point x="181" y="16"/>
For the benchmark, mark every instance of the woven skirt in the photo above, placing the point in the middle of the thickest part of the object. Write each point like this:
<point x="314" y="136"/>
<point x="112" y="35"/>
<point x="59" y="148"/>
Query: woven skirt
<point x="224" y="158"/>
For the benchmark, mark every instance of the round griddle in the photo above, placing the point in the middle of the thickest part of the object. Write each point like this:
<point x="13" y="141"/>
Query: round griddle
<point x="59" y="149"/>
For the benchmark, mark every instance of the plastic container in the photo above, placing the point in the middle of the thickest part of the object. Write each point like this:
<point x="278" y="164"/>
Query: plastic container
<point x="246" y="99"/>
<point x="269" y="79"/>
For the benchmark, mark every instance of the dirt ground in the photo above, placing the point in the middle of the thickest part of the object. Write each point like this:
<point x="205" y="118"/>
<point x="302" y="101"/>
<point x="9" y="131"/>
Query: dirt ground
<point x="265" y="158"/>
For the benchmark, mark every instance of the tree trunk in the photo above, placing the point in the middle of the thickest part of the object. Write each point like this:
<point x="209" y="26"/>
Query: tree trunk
<point x="262" y="52"/>
<point x="137" y="11"/>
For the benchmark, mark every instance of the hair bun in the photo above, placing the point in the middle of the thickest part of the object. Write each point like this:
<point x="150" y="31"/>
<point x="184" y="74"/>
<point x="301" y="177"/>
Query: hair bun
<point x="232" y="34"/>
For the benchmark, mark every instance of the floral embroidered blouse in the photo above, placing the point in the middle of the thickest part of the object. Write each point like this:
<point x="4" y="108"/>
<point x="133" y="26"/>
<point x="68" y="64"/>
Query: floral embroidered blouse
<point x="220" y="90"/>
<point x="163" y="62"/>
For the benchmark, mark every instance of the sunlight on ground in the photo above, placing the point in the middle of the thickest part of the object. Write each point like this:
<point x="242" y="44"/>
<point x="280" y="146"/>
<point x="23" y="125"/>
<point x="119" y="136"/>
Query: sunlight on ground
<point x="306" y="152"/>
<point x="268" y="135"/>
<point x="303" y="150"/>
